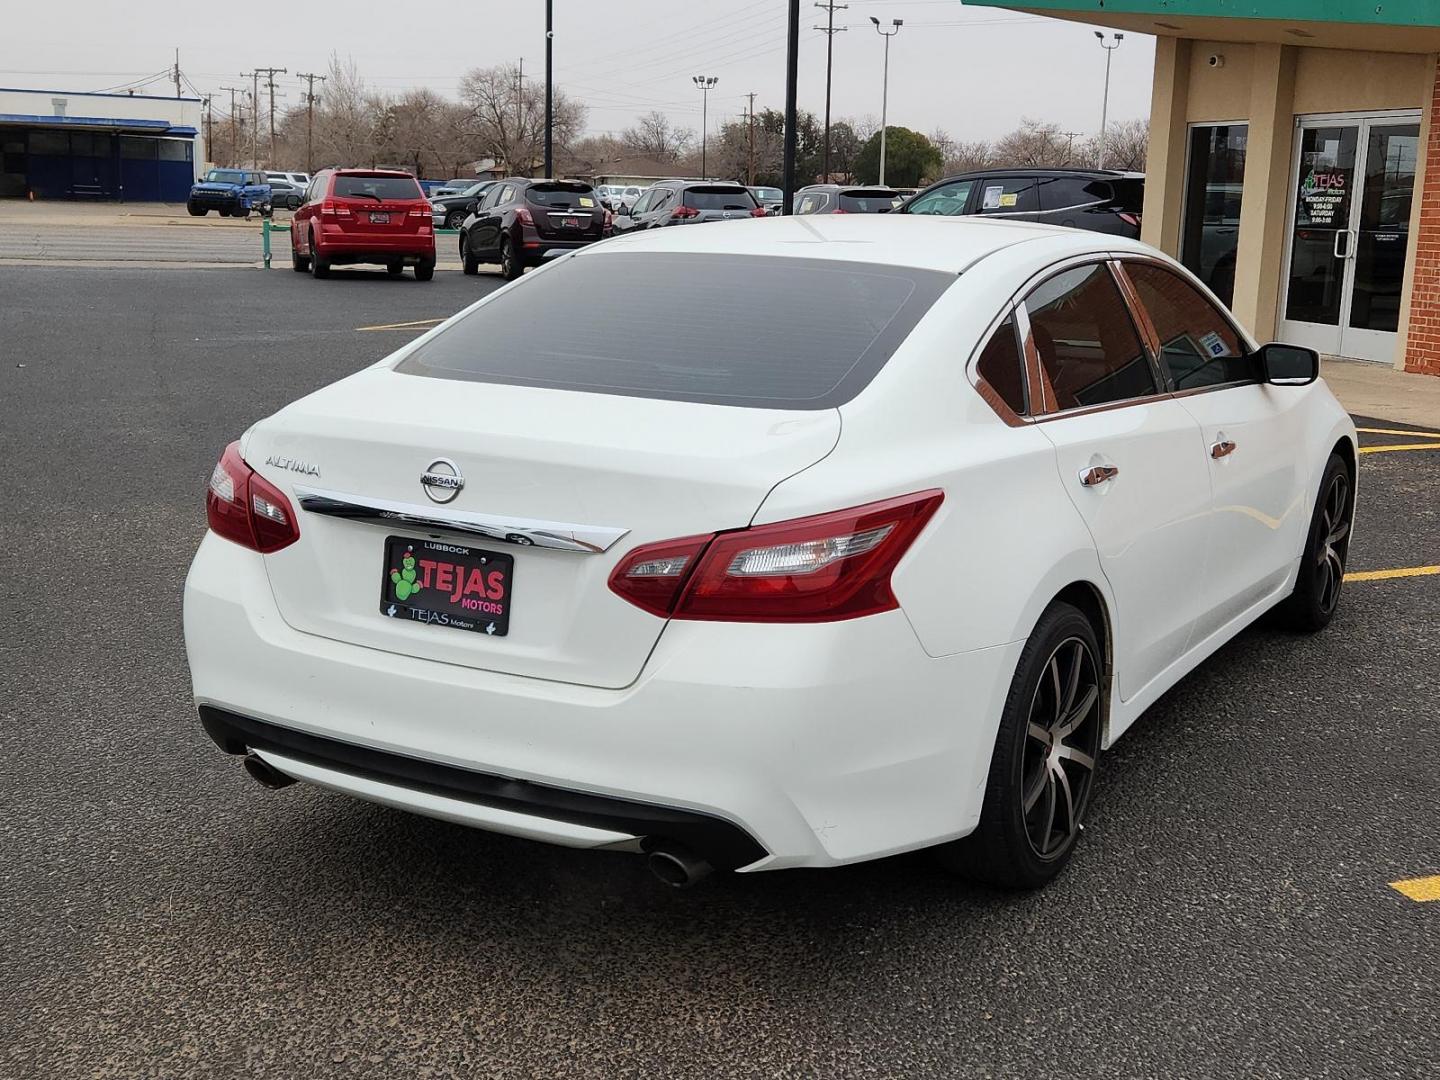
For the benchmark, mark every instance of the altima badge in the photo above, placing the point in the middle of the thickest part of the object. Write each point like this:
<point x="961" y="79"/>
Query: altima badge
<point x="442" y="480"/>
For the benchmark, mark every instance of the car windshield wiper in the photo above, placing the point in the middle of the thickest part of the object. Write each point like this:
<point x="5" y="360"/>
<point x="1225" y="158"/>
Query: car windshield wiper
<point x="363" y="195"/>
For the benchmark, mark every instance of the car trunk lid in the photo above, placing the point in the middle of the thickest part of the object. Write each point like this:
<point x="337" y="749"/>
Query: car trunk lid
<point x="565" y="210"/>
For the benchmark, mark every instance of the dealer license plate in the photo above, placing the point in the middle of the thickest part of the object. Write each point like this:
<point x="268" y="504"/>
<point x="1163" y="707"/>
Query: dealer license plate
<point x="447" y="585"/>
<point x="379" y="218"/>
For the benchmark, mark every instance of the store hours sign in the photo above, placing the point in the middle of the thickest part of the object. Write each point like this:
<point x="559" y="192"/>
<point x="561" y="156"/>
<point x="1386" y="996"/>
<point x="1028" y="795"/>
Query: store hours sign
<point x="1322" y="197"/>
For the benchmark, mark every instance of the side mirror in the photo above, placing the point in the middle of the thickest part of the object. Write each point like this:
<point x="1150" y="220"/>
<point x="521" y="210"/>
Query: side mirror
<point x="1288" y="365"/>
<point x="472" y="206"/>
<point x="622" y="210"/>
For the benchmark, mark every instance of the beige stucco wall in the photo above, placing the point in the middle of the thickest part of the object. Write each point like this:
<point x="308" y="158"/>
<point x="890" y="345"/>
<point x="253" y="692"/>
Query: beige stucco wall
<point x="1219" y="93"/>
<point x="1329" y="80"/>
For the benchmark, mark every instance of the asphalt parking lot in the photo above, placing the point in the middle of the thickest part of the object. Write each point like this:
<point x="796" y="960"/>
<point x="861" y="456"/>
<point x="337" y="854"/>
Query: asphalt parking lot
<point x="1229" y="913"/>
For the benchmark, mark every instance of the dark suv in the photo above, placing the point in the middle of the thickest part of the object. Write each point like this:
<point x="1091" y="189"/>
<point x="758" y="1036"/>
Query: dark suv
<point x="846" y="199"/>
<point x="687" y="202"/>
<point x="522" y="222"/>
<point x="1101" y="200"/>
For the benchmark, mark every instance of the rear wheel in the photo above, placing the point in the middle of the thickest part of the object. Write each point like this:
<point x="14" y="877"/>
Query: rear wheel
<point x="1044" y="762"/>
<point x="424" y="271"/>
<point x="299" y="263"/>
<point x="394" y="270"/>
<point x="318" y="267"/>
<point x="1312" y="604"/>
<point x="510" y="265"/>
<point x="471" y="263"/>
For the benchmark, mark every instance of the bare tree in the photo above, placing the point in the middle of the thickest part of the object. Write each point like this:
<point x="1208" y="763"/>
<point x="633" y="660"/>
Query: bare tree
<point x="1033" y="143"/>
<point x="592" y="155"/>
<point x="507" y="117"/>
<point x="1126" y="144"/>
<point x="969" y="156"/>
<point x="943" y="141"/>
<point x="654" y="136"/>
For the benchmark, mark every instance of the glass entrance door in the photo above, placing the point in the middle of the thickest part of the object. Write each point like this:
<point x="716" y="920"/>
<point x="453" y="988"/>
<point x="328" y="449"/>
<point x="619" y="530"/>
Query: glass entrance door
<point x="1354" y="180"/>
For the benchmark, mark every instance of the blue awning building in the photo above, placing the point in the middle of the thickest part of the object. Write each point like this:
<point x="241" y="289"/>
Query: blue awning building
<point x="61" y="144"/>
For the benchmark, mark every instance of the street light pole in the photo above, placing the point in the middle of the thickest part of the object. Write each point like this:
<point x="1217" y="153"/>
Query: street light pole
<point x="792" y="79"/>
<point x="549" y="91"/>
<point x="1105" y="100"/>
<point x="885" y="85"/>
<point x="706" y="83"/>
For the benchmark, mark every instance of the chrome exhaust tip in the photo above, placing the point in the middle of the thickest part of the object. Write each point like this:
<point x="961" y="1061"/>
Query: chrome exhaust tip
<point x="676" y="866"/>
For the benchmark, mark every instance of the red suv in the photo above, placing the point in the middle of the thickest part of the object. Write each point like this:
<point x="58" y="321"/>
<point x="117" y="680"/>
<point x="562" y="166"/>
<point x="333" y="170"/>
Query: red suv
<point x="363" y="216"/>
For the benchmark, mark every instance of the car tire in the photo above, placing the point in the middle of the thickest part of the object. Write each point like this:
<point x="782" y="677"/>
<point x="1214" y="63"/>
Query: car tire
<point x="243" y="213"/>
<point x="394" y="270"/>
<point x="470" y="264"/>
<point x="299" y="263"/>
<point x="424" y="271"/>
<point x="455" y="219"/>
<point x="510" y="265"/>
<point x="1043" y="766"/>
<point x="1316" y="596"/>
<point x="196" y="211"/>
<point x="222" y="211"/>
<point x="319" y="268"/>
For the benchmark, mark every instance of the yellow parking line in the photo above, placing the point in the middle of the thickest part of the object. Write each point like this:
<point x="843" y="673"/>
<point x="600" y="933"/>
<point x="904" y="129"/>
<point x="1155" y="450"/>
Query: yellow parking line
<point x="1404" y="446"/>
<point x="1396" y="431"/>
<point x="1385" y="575"/>
<point x="415" y="324"/>
<point x="1419" y="889"/>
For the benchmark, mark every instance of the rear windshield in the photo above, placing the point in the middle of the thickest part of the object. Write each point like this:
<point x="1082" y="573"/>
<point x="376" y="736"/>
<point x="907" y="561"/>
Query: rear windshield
<point x="380" y="187"/>
<point x="563" y="196"/>
<point x="768" y="194"/>
<point x="1129" y="193"/>
<point x="720" y="198"/>
<point x="869" y="201"/>
<point x="743" y="330"/>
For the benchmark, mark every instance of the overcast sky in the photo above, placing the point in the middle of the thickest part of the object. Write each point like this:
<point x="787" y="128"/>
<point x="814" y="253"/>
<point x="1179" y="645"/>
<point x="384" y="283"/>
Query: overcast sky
<point x="975" y="71"/>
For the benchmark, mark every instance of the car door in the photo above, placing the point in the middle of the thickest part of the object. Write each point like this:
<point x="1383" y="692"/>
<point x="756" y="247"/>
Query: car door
<point x="1128" y="457"/>
<point x="484" y="234"/>
<point x="624" y="223"/>
<point x="300" y="223"/>
<point x="944" y="200"/>
<point x="1250" y="431"/>
<point x="1013" y="197"/>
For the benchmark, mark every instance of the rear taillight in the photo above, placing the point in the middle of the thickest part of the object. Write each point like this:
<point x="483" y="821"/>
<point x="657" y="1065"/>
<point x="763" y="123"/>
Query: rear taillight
<point x="815" y="569"/>
<point x="334" y="209"/>
<point x="681" y="212"/>
<point x="523" y="216"/>
<point x="759" y="211"/>
<point x="1129" y="218"/>
<point x="241" y="505"/>
<point x="838" y="211"/>
<point x="609" y="222"/>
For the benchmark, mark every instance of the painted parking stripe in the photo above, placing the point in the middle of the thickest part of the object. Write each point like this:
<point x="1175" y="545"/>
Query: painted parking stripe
<point x="1397" y="431"/>
<point x="1419" y="889"/>
<point x="1385" y="575"/>
<point x="1402" y="446"/>
<point x="415" y="324"/>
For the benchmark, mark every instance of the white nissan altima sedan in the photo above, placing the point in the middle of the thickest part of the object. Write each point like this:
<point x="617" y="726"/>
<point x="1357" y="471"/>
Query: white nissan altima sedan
<point x="858" y="535"/>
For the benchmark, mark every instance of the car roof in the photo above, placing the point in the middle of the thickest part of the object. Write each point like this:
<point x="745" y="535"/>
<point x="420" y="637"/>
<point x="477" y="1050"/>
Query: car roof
<point x="373" y="172"/>
<point x="847" y="187"/>
<point x="931" y="243"/>
<point x="1030" y="170"/>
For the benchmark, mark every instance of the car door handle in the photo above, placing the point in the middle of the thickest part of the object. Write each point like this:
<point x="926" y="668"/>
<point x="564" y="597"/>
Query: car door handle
<point x="1098" y="474"/>
<point x="1221" y="448"/>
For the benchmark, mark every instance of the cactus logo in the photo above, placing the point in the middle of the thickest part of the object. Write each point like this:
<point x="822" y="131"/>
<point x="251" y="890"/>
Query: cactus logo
<point x="402" y="580"/>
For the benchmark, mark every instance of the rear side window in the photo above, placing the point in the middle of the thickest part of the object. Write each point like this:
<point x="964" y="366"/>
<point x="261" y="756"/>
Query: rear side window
<point x="1090" y="353"/>
<point x="719" y="198"/>
<point x="1198" y="345"/>
<point x="379" y="187"/>
<point x="812" y="203"/>
<point x="1002" y="366"/>
<point x="561" y="196"/>
<point x="948" y="201"/>
<point x="1009" y="195"/>
<point x="874" y="201"/>
<point x="1129" y="194"/>
<point x="814" y="332"/>
<point x="1061" y="192"/>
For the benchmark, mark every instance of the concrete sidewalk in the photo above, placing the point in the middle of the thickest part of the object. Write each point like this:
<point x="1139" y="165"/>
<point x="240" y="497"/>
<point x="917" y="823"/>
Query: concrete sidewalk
<point x="106" y="214"/>
<point x="1382" y="392"/>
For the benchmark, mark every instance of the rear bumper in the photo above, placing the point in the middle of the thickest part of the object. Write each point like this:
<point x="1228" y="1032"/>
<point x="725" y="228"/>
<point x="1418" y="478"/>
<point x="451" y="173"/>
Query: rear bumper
<point x="338" y="246"/>
<point x="759" y="746"/>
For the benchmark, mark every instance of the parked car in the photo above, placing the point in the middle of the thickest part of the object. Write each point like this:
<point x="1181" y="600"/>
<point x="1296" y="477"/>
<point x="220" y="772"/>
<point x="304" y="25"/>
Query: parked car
<point x="520" y="223"/>
<point x="771" y="198"/>
<point x="230" y="192"/>
<point x="284" y="194"/>
<point x="846" y="199"/>
<point x="686" y="202"/>
<point x="855" y="580"/>
<point x="363" y="216"/>
<point x="1101" y="200"/>
<point x="452" y="187"/>
<point x="450" y="211"/>
<point x="295" y="179"/>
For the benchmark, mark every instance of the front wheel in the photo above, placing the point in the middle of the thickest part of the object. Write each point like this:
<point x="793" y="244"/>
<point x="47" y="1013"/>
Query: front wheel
<point x="455" y="219"/>
<point x="196" y="211"/>
<point x="243" y="213"/>
<point x="471" y="265"/>
<point x="1312" y="604"/>
<point x="1043" y="766"/>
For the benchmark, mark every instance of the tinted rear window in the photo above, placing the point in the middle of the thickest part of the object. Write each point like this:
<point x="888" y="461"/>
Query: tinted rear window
<point x="719" y="198"/>
<point x="744" y="330"/>
<point x="384" y="187"/>
<point x="869" y="201"/>
<point x="1130" y="193"/>
<point x="566" y="196"/>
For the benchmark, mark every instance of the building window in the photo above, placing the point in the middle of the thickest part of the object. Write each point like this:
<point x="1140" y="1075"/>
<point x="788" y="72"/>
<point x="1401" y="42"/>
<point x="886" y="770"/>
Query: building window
<point x="58" y="104"/>
<point x="1212" y="205"/>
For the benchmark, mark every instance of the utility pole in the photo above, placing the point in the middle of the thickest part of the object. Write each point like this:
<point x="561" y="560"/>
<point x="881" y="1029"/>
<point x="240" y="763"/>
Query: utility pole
<point x="233" y="91"/>
<point x="829" y="30"/>
<point x="792" y="80"/>
<point x="549" y="90"/>
<point x="175" y="74"/>
<point x="519" y="116"/>
<point x="885" y="85"/>
<point x="706" y="83"/>
<point x="309" y="117"/>
<point x="254" y="77"/>
<point x="1070" y="137"/>
<point x="1105" y="100"/>
<point x="209" y="127"/>
<point x="750" y="133"/>
<point x="270" y="73"/>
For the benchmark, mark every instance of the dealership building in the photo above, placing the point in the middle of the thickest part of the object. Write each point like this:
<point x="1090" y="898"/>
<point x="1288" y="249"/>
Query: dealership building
<point x="63" y="144"/>
<point x="1294" y="162"/>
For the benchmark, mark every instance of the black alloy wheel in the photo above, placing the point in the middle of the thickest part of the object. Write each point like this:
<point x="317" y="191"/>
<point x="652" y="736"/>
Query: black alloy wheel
<point x="1061" y="744"/>
<point x="1321" y="576"/>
